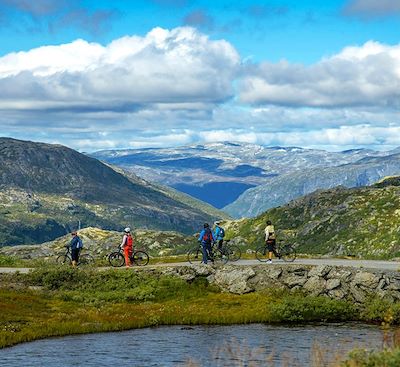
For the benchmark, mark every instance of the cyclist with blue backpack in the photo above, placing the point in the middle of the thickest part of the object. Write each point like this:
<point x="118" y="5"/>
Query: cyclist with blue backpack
<point x="206" y="239"/>
<point x="219" y="234"/>
<point x="76" y="247"/>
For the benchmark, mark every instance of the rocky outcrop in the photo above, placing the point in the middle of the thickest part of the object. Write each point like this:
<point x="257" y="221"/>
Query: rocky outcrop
<point x="343" y="283"/>
<point x="100" y="243"/>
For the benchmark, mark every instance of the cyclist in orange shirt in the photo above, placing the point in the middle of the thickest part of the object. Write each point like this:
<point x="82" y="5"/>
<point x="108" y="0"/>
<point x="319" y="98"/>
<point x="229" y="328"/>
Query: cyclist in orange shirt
<point x="127" y="246"/>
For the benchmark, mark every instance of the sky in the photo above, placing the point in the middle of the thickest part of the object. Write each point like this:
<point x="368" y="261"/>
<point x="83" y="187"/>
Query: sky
<point x="105" y="74"/>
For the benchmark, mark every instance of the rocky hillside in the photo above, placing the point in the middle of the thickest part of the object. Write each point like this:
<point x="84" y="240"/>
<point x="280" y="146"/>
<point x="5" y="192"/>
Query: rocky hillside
<point x="281" y="189"/>
<point x="340" y="221"/>
<point x="100" y="243"/>
<point x="45" y="190"/>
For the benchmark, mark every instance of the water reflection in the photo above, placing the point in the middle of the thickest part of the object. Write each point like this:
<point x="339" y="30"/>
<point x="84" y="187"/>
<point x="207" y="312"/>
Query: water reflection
<point x="205" y="345"/>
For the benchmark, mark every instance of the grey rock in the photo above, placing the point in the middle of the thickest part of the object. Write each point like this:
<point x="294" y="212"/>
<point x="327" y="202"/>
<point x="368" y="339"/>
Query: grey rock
<point x="366" y="280"/>
<point x="320" y="271"/>
<point x="315" y="286"/>
<point x="358" y="295"/>
<point x="332" y="284"/>
<point x="292" y="280"/>
<point x="234" y="280"/>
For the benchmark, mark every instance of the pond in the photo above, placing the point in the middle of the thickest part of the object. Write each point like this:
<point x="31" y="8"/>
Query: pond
<point x="264" y="345"/>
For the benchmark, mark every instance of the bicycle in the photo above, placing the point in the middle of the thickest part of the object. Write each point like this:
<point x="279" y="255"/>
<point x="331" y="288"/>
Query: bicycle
<point x="66" y="259"/>
<point x="285" y="252"/>
<point x="217" y="256"/>
<point x="138" y="257"/>
<point x="234" y="252"/>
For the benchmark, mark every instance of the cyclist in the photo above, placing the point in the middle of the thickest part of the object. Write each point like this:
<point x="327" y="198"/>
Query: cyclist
<point x="206" y="238"/>
<point x="127" y="246"/>
<point x="270" y="240"/>
<point x="219" y="234"/>
<point x="76" y="246"/>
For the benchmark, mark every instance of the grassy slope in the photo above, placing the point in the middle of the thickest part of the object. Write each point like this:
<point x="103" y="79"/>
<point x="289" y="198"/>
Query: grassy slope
<point x="360" y="222"/>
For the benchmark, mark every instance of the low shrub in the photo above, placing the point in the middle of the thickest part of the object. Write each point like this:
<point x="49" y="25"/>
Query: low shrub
<point x="6" y="260"/>
<point x="298" y="308"/>
<point x="364" y="358"/>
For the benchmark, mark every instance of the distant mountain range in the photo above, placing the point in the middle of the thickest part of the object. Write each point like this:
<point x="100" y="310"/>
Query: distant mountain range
<point x="246" y="179"/>
<point x="282" y="189"/>
<point x="46" y="190"/>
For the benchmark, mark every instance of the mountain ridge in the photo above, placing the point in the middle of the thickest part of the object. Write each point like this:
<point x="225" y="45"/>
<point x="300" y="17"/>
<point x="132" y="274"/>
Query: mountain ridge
<point x="46" y="189"/>
<point x="226" y="167"/>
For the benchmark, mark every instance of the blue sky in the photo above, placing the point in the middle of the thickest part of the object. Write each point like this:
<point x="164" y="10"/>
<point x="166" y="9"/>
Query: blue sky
<point x="322" y="74"/>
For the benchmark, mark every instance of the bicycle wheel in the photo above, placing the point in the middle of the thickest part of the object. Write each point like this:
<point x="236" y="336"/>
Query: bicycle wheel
<point x="86" y="259"/>
<point x="195" y="255"/>
<point x="262" y="253"/>
<point x="116" y="259"/>
<point x="288" y="253"/>
<point x="64" y="260"/>
<point x="234" y="252"/>
<point x="221" y="257"/>
<point x="140" y="258"/>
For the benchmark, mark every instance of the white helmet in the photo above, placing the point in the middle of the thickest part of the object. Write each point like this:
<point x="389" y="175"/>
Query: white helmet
<point x="127" y="230"/>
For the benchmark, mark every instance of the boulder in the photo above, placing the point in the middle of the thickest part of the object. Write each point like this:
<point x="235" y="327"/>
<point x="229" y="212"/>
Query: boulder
<point x="234" y="279"/>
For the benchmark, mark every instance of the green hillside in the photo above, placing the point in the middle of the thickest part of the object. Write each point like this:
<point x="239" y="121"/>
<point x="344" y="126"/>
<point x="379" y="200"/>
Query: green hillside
<point x="356" y="222"/>
<point x="47" y="190"/>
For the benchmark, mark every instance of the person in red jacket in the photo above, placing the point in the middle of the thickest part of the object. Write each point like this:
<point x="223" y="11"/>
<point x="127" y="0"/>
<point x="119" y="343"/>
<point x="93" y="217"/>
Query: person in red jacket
<point x="127" y="246"/>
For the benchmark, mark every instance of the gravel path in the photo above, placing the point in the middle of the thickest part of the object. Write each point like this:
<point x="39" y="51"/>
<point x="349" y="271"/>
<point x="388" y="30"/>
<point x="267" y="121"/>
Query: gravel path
<point x="368" y="264"/>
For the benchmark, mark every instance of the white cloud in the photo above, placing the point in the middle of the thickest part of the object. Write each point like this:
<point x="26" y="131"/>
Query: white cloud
<point x="173" y="87"/>
<point x="177" y="66"/>
<point x="358" y="76"/>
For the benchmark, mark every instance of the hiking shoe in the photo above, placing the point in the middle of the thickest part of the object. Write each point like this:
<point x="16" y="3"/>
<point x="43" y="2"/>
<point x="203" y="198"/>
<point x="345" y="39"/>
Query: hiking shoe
<point x="269" y="261"/>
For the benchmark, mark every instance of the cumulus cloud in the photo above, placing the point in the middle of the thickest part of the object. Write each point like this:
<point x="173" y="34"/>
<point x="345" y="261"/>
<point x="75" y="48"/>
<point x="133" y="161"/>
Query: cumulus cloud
<point x="175" y="87"/>
<point x="340" y="138"/>
<point x="358" y="76"/>
<point x="372" y="8"/>
<point x="177" y="66"/>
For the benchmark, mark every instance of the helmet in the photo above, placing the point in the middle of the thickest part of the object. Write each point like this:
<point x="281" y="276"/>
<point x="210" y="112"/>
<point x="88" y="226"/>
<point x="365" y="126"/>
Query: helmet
<point x="127" y="230"/>
<point x="74" y="233"/>
<point x="217" y="222"/>
<point x="206" y="225"/>
<point x="269" y="222"/>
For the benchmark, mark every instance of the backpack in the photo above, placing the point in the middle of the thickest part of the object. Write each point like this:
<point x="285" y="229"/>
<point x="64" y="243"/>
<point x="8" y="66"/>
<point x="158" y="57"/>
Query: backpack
<point x="207" y="236"/>
<point x="79" y="244"/>
<point x="221" y="232"/>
